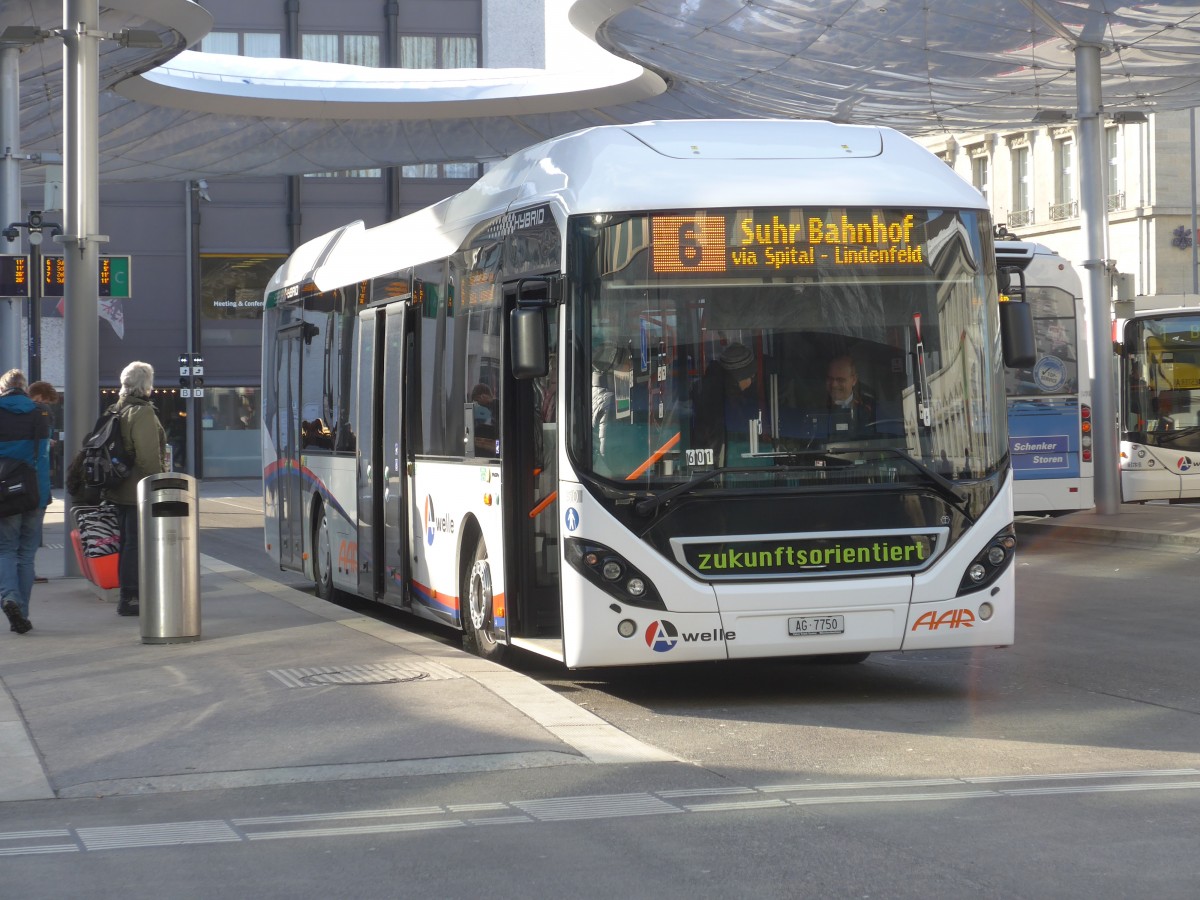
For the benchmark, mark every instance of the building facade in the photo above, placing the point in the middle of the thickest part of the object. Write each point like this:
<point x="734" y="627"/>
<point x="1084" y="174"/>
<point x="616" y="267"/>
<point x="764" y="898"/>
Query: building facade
<point x="202" y="251"/>
<point x="1030" y="178"/>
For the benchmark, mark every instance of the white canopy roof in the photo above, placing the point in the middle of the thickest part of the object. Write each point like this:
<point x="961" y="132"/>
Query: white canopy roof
<point x="917" y="65"/>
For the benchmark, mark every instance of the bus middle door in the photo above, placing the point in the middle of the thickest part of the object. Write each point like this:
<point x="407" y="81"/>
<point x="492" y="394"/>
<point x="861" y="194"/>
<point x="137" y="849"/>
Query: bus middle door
<point x="289" y="484"/>
<point x="382" y="476"/>
<point x="392" y="390"/>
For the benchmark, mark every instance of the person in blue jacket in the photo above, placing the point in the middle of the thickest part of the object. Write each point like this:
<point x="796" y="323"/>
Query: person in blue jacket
<point x="24" y="435"/>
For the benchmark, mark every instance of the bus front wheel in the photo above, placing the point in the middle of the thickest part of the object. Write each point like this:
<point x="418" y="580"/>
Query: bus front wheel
<point x="479" y="625"/>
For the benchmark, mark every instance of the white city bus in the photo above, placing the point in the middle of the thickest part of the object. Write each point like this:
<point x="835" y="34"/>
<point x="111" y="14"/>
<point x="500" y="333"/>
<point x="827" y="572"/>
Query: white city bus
<point x="581" y="407"/>
<point x="1158" y="365"/>
<point x="1050" y="402"/>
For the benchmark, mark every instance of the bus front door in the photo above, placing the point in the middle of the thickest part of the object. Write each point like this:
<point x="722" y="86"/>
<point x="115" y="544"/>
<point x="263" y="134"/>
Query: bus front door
<point x="532" y="511"/>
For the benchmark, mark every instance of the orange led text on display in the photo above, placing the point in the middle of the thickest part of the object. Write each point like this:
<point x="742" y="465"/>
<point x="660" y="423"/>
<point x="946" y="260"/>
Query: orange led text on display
<point x="693" y="244"/>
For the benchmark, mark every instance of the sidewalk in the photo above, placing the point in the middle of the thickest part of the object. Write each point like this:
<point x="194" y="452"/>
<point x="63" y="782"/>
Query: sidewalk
<point x="1149" y="525"/>
<point x="285" y="688"/>
<point x="281" y="688"/>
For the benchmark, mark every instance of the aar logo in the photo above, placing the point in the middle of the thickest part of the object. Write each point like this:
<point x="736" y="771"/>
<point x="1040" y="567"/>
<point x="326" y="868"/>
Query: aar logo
<point x="1184" y="463"/>
<point x="661" y="636"/>
<point x="951" y="618"/>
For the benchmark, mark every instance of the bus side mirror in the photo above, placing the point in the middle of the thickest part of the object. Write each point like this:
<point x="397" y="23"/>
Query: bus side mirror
<point x="1005" y="282"/>
<point x="527" y="330"/>
<point x="1016" y="335"/>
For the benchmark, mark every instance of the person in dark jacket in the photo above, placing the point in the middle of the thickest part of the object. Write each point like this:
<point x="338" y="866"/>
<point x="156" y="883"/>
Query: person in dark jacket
<point x="24" y="435"/>
<point x="143" y="434"/>
<point x="727" y="403"/>
<point x="46" y="395"/>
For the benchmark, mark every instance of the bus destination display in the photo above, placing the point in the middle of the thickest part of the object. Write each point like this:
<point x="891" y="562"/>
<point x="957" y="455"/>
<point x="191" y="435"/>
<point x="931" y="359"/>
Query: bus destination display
<point x="783" y="241"/>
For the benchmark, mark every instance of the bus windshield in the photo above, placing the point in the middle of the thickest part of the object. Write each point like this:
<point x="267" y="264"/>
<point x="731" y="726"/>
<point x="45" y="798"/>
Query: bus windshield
<point x="1161" y="381"/>
<point x="816" y="347"/>
<point x="1056" y="333"/>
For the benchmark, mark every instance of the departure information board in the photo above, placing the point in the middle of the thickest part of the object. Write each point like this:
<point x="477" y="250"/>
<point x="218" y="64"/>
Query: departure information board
<point x="786" y="241"/>
<point x="14" y="276"/>
<point x="113" y="277"/>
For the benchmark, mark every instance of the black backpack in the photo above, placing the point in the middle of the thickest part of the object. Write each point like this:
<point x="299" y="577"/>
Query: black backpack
<point x="105" y="462"/>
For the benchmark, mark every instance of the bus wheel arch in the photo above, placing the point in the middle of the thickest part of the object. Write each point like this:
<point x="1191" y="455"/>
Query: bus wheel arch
<point x="475" y="597"/>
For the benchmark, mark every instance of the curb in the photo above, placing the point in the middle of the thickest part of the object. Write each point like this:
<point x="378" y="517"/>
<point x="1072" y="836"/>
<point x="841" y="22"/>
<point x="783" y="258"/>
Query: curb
<point x="1090" y="534"/>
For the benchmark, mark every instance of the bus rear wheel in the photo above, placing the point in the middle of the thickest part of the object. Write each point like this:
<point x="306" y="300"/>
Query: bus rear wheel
<point x="323" y="556"/>
<point x="479" y="626"/>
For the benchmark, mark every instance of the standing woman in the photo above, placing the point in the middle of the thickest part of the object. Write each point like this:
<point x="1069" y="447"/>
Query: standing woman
<point x="25" y="436"/>
<point x="143" y="435"/>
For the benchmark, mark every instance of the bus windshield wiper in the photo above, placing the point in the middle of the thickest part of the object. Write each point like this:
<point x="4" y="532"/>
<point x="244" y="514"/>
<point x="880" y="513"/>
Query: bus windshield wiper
<point x="1169" y="437"/>
<point x="947" y="488"/>
<point x="651" y="504"/>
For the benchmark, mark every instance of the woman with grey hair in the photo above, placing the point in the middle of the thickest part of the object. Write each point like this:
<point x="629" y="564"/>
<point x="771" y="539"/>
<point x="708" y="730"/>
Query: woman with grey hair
<point x="143" y="435"/>
<point x="24" y="436"/>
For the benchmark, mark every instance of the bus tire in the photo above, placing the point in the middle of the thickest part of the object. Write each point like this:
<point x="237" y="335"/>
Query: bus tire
<point x="479" y="635"/>
<point x="322" y="555"/>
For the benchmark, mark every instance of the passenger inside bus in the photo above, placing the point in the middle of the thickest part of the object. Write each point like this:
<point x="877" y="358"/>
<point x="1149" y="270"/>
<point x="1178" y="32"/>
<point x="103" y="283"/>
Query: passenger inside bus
<point x="728" y="408"/>
<point x="483" y="400"/>
<point x="609" y="450"/>
<point x="315" y="434"/>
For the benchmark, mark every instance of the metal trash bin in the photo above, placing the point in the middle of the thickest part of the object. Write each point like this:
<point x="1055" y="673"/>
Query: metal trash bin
<point x="169" y="558"/>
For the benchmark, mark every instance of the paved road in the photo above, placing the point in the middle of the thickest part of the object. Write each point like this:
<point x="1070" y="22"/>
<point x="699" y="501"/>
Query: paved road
<point x="1066" y="766"/>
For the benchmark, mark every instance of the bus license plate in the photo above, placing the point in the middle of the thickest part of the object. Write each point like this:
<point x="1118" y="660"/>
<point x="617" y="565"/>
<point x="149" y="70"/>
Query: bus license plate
<point x="801" y="626"/>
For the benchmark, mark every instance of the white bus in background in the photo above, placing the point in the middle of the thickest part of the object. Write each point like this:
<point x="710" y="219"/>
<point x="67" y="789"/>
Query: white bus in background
<point x="1158" y="365"/>
<point x="435" y="388"/>
<point x="1049" y="403"/>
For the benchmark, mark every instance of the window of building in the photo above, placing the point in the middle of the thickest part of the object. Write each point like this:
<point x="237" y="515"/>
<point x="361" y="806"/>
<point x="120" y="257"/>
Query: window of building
<point x="460" y="170"/>
<point x="230" y="436"/>
<point x="438" y="52"/>
<point x="232" y="285"/>
<point x="1022" y="189"/>
<point x="347" y="173"/>
<point x="1112" y="169"/>
<point x="980" y="174"/>
<point x="1066" y="205"/>
<point x="353" y="49"/>
<point x="262" y="44"/>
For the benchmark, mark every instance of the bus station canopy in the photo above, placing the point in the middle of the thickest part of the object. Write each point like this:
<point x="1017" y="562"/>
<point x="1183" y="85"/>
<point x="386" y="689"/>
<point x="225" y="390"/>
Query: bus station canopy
<point x="920" y="66"/>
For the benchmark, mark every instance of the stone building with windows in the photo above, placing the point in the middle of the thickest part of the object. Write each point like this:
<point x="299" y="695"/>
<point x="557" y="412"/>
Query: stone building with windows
<point x="203" y="251"/>
<point x="1030" y="177"/>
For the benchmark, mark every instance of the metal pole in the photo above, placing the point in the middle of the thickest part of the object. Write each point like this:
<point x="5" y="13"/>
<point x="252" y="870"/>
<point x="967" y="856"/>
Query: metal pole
<point x="10" y="192"/>
<point x="81" y="243"/>
<point x="1195" y="271"/>
<point x="1094" y="213"/>
<point x="190" y="407"/>
<point x="36" y="283"/>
